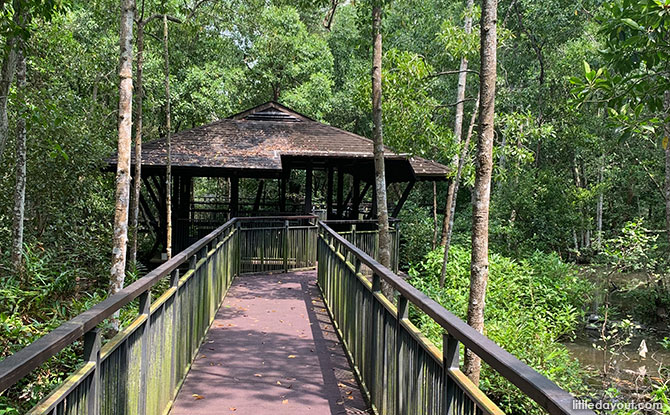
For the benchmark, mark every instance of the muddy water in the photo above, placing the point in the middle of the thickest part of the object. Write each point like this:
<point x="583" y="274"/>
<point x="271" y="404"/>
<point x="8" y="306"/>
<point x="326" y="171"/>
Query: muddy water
<point x="628" y="364"/>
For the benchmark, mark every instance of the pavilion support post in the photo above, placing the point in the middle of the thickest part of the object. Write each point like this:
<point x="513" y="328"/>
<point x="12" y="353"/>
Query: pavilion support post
<point x="308" y="190"/>
<point x="403" y="199"/>
<point x="373" y="210"/>
<point x="356" y="202"/>
<point x="259" y="195"/>
<point x="329" y="194"/>
<point x="282" y="191"/>
<point x="340" y="192"/>
<point x="234" y="196"/>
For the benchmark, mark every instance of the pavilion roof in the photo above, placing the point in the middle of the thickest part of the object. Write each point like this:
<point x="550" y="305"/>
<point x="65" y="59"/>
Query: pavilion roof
<point x="258" y="139"/>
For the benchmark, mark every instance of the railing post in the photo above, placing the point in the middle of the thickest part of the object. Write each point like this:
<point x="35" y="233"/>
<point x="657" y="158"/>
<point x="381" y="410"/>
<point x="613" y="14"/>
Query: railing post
<point x="175" y="328"/>
<point x="450" y="360"/>
<point x="285" y="246"/>
<point x="400" y="352"/>
<point x="145" y="308"/>
<point x="92" y="340"/>
<point x="353" y="235"/>
<point x="376" y="283"/>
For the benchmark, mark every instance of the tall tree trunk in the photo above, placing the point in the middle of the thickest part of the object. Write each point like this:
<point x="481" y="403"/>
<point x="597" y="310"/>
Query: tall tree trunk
<point x="380" y="174"/>
<point x="599" y="207"/>
<point x="137" y="184"/>
<point x="168" y="140"/>
<point x="20" y="190"/>
<point x="125" y="125"/>
<point x="667" y="166"/>
<point x="434" y="244"/>
<point x="457" y="179"/>
<point x="7" y="75"/>
<point x="458" y="125"/>
<point x="479" y="268"/>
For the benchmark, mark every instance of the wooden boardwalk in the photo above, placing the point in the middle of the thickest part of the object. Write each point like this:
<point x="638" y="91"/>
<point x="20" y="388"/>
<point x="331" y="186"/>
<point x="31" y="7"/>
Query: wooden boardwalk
<point x="272" y="349"/>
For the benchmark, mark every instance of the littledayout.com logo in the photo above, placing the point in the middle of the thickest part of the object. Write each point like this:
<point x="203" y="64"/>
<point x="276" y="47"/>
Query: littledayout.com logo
<point x="600" y="405"/>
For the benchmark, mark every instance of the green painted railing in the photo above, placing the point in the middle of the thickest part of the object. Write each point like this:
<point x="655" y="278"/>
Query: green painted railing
<point x="400" y="371"/>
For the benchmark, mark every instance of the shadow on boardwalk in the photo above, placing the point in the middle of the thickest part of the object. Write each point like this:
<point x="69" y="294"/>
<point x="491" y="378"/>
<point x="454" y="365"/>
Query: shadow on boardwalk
<point x="271" y="349"/>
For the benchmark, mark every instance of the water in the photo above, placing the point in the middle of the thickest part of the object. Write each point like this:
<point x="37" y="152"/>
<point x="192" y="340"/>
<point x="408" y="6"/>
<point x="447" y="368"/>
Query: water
<point x="627" y="364"/>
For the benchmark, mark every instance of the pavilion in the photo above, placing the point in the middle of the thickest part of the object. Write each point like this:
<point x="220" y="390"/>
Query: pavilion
<point x="267" y="160"/>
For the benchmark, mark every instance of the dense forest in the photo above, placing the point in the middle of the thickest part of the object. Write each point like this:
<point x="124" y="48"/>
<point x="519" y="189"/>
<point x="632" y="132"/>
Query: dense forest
<point x="579" y="223"/>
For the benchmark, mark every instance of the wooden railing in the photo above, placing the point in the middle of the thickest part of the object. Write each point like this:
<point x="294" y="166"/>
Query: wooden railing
<point x="140" y="369"/>
<point x="271" y="244"/>
<point x="364" y="235"/>
<point x="398" y="368"/>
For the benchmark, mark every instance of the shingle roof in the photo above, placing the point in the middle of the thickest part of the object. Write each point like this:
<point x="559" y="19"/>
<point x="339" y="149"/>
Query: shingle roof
<point x="258" y="139"/>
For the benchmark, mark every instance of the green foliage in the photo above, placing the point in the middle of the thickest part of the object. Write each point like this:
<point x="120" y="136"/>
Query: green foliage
<point x="530" y="305"/>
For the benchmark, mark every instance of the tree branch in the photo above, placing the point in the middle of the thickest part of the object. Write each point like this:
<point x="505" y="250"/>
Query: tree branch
<point x="455" y="103"/>
<point x="436" y="74"/>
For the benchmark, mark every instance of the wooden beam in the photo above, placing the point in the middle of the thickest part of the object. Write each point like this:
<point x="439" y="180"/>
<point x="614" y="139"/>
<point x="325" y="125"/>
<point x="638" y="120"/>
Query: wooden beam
<point x="234" y="196"/>
<point x="149" y="216"/>
<point x="355" y="205"/>
<point x="403" y="198"/>
<point x="329" y="194"/>
<point x="308" y="190"/>
<point x="259" y="194"/>
<point x="340" y="192"/>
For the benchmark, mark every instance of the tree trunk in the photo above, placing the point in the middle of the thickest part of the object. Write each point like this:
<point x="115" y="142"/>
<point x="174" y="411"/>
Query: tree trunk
<point x="599" y="207"/>
<point x="120" y="239"/>
<point x="137" y="185"/>
<point x="380" y="175"/>
<point x="458" y="125"/>
<point x="7" y="76"/>
<point x="168" y="141"/>
<point x="479" y="268"/>
<point x="667" y="166"/>
<point x="20" y="190"/>
<point x="434" y="244"/>
<point x="457" y="179"/>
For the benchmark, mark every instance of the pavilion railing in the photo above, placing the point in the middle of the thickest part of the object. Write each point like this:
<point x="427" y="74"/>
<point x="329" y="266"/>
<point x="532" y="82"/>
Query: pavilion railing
<point x="400" y="371"/>
<point x="364" y="235"/>
<point x="138" y="371"/>
<point x="271" y="244"/>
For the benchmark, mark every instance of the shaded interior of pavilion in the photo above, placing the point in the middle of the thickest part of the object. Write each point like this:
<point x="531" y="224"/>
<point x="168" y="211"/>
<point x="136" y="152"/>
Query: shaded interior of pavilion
<point x="268" y="160"/>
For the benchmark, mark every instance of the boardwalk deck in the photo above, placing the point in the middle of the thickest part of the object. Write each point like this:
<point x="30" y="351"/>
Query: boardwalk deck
<point x="272" y="349"/>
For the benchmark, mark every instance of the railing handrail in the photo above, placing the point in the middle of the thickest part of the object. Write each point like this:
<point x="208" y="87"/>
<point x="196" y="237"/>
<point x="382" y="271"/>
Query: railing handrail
<point x="21" y="363"/>
<point x="280" y="217"/>
<point x="535" y="385"/>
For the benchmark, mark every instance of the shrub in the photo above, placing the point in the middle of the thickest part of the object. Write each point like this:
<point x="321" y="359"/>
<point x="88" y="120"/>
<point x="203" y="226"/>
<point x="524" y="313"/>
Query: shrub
<point x="530" y="306"/>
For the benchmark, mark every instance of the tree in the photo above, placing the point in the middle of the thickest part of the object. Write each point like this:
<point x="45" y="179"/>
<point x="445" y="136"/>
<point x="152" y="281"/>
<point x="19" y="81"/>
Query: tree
<point x="458" y="132"/>
<point x="378" y="137"/>
<point x="20" y="190"/>
<point x="168" y="141"/>
<point x="120" y="239"/>
<point x="8" y="70"/>
<point x="635" y="83"/>
<point x="479" y="268"/>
